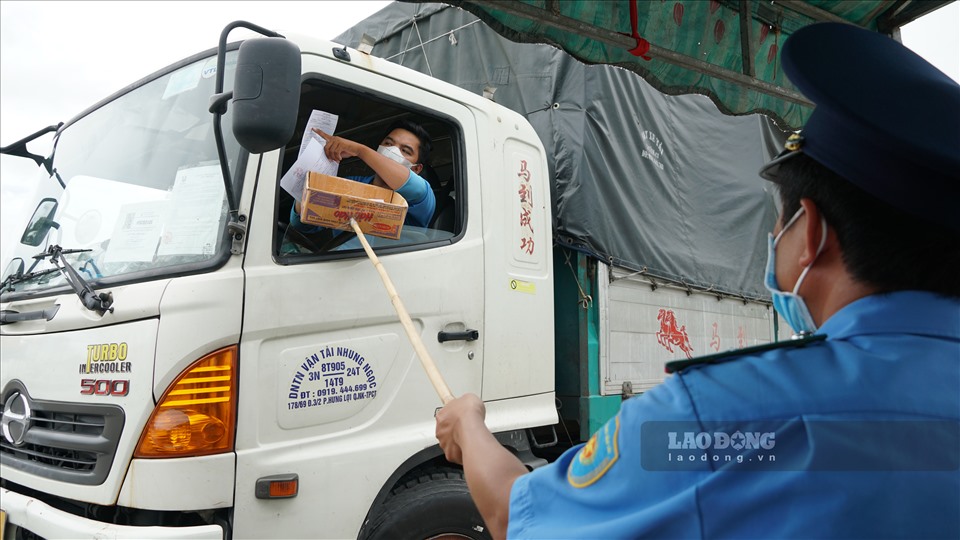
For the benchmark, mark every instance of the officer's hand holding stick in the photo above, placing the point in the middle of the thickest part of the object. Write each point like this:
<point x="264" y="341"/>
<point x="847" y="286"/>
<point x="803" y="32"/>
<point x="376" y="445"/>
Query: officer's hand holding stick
<point x="432" y="372"/>
<point x="489" y="468"/>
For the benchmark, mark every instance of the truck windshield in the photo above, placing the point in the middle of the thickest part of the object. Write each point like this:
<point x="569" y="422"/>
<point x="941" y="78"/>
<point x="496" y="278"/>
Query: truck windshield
<point x="139" y="185"/>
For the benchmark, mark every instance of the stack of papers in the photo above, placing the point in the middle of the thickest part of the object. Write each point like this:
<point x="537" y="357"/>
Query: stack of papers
<point x="311" y="156"/>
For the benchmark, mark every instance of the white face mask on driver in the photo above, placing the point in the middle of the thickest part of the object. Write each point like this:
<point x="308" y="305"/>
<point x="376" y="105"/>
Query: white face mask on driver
<point x="394" y="154"/>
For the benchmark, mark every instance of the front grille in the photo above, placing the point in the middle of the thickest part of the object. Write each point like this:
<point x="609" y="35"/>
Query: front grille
<point x="69" y="442"/>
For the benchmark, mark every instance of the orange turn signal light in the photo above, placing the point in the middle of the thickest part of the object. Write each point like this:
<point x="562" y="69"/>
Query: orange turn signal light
<point x="197" y="414"/>
<point x="278" y="486"/>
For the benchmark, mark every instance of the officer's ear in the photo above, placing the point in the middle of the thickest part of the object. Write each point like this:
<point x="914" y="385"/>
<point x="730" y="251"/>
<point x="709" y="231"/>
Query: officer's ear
<point x="813" y="230"/>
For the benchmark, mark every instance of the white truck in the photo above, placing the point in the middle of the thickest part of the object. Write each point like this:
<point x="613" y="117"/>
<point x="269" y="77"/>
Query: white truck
<point x="178" y="363"/>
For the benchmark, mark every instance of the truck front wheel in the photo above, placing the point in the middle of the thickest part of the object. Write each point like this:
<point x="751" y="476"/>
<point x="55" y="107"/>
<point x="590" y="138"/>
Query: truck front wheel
<point x="433" y="504"/>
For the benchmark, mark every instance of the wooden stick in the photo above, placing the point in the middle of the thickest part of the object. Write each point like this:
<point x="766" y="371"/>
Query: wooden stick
<point x="432" y="372"/>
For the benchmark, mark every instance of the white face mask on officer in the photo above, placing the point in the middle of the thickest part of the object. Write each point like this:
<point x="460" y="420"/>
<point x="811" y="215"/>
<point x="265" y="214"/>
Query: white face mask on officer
<point x="790" y="305"/>
<point x="394" y="154"/>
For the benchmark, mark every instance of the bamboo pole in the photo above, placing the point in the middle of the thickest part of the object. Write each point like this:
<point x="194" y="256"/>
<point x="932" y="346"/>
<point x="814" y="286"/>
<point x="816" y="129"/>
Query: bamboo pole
<point x="428" y="365"/>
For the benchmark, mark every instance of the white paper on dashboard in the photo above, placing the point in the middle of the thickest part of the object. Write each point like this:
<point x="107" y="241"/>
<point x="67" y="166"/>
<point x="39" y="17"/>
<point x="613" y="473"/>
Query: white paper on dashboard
<point x="312" y="159"/>
<point x="136" y="232"/>
<point x="196" y="208"/>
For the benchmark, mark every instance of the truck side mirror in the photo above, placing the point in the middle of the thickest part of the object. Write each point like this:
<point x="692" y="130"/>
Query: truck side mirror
<point x="266" y="93"/>
<point x="40" y="223"/>
<point x="14" y="269"/>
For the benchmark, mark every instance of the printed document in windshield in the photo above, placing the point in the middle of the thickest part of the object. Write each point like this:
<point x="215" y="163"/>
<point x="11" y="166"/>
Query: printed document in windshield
<point x="136" y="232"/>
<point x="196" y="208"/>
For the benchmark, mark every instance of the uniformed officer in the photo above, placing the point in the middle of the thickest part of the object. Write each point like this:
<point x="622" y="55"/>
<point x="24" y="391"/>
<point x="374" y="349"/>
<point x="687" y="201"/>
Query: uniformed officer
<point x="850" y="432"/>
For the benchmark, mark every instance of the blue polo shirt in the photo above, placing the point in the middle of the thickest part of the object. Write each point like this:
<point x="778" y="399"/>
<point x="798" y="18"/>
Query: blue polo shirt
<point x="855" y="436"/>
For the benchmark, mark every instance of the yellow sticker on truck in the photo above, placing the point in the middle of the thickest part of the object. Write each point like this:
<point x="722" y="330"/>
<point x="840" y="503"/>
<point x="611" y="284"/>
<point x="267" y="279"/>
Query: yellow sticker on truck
<point x="103" y="360"/>
<point x="106" y="358"/>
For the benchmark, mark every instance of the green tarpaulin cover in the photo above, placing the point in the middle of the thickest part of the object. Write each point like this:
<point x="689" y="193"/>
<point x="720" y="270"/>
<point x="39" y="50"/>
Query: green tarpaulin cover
<point x="693" y="46"/>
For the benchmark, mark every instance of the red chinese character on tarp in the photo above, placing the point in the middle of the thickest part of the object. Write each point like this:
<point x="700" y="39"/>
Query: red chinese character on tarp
<point x="526" y="244"/>
<point x="669" y="335"/>
<point x="741" y="337"/>
<point x="715" y="340"/>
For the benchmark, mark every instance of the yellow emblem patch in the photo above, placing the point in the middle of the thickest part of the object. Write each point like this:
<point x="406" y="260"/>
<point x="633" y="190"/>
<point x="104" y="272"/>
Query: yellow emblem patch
<point x="596" y="457"/>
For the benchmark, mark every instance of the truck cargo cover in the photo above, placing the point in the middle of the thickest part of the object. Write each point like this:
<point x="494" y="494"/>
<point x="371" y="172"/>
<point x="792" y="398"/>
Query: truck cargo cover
<point x="728" y="50"/>
<point x="666" y="185"/>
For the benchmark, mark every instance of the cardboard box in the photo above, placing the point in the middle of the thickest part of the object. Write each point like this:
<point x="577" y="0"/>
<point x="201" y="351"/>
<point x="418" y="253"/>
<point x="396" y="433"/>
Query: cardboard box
<point x="330" y="201"/>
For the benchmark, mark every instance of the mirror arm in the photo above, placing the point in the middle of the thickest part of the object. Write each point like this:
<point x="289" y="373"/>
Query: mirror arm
<point x="19" y="148"/>
<point x="218" y="102"/>
<point x="222" y="48"/>
<point x="218" y="105"/>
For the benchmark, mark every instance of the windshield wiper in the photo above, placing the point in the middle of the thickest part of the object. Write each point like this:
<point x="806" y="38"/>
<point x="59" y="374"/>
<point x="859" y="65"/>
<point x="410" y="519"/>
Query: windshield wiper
<point x="91" y="300"/>
<point x="12" y="280"/>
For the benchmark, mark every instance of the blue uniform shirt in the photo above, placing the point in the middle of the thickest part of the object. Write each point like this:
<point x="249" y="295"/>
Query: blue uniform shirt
<point x="855" y="436"/>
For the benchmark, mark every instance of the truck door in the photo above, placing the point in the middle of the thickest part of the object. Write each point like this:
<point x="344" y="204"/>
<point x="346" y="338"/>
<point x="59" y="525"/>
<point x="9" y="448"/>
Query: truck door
<point x="331" y="389"/>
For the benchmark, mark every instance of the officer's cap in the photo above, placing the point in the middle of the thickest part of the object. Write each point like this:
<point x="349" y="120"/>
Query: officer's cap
<point x="885" y="119"/>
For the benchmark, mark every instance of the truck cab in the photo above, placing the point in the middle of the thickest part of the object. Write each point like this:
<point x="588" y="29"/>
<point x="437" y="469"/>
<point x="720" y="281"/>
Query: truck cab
<point x="178" y="362"/>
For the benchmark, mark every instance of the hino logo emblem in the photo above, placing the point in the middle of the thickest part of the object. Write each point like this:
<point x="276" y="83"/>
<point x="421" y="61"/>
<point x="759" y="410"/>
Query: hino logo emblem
<point x="16" y="418"/>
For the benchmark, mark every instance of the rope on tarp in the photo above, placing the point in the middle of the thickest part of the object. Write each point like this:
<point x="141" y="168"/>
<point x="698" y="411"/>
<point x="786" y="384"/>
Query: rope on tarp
<point x="585" y="299"/>
<point x="420" y="46"/>
<point x="657" y="280"/>
<point x="422" y="50"/>
<point x="427" y="42"/>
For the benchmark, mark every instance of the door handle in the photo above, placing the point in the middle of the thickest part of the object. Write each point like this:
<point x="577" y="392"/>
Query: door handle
<point x="466" y="335"/>
<point x="8" y="316"/>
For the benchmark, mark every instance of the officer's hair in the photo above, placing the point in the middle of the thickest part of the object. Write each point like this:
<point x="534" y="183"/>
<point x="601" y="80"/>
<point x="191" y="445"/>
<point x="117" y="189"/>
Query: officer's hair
<point x="426" y="144"/>
<point x="881" y="246"/>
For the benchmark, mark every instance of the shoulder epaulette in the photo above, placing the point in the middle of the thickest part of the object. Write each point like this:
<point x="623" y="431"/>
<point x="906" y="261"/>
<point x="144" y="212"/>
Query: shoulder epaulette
<point x="719" y="358"/>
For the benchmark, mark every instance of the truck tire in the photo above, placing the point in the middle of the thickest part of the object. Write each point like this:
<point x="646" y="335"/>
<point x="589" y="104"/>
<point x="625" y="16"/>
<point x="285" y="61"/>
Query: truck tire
<point x="432" y="504"/>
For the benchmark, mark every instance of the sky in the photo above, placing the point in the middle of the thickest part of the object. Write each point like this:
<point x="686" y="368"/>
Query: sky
<point x="58" y="58"/>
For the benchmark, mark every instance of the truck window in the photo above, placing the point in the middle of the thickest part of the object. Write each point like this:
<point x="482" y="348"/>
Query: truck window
<point x="367" y="119"/>
<point x="139" y="185"/>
